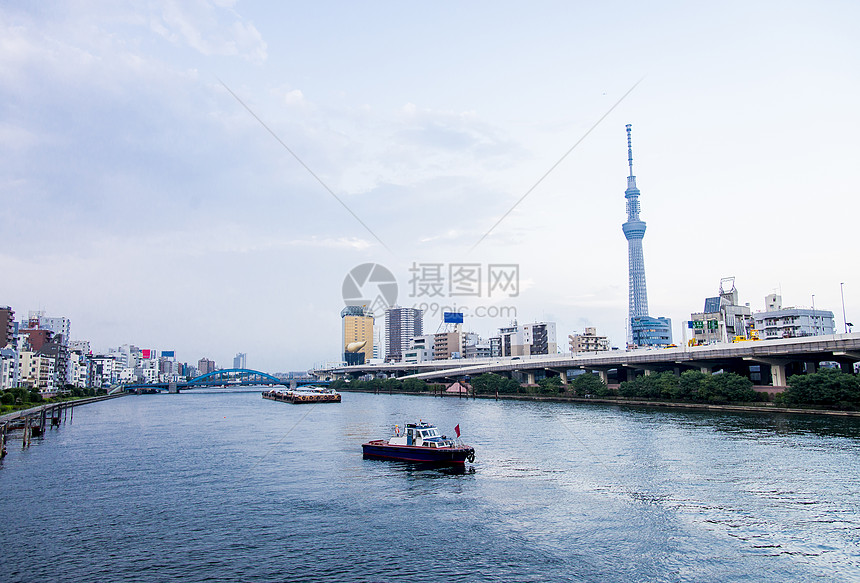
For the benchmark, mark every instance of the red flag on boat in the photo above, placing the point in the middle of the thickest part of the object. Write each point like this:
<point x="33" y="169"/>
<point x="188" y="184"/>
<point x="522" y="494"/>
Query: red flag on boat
<point x="457" y="430"/>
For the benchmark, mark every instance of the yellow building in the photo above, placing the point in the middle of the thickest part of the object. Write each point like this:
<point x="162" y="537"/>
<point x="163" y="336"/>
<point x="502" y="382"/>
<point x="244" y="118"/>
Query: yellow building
<point x="357" y="334"/>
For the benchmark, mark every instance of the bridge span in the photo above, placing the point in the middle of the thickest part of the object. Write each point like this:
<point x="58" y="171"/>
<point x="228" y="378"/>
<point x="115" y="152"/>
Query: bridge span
<point x="765" y="362"/>
<point x="223" y="378"/>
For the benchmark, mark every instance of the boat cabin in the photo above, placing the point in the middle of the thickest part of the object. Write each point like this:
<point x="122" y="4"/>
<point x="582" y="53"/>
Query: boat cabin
<point x="419" y="434"/>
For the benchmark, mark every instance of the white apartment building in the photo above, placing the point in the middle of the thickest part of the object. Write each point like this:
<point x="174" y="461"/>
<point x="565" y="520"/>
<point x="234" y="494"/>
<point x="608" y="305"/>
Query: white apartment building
<point x="588" y="341"/>
<point x="420" y="349"/>
<point x="779" y="322"/>
<point x="8" y="369"/>
<point x="37" y="372"/>
<point x="105" y="370"/>
<point x="528" y="339"/>
<point x="79" y="369"/>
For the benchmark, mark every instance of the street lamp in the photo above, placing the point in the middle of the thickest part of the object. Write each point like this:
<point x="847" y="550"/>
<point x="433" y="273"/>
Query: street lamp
<point x="844" y="319"/>
<point x="814" y="327"/>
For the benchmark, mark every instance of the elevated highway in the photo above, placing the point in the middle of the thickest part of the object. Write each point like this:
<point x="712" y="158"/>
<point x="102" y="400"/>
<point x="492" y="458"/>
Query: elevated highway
<point x="766" y="362"/>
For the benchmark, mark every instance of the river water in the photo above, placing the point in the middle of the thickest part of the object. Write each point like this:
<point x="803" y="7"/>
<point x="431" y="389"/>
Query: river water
<point x="227" y="486"/>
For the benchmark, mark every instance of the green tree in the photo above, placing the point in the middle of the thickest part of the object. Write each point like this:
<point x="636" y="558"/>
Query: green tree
<point x="828" y="388"/>
<point x="690" y="384"/>
<point x="7" y="398"/>
<point x="654" y="386"/>
<point x="731" y="387"/>
<point x="589" y="384"/>
<point x="550" y="385"/>
<point x="489" y="384"/>
<point x="414" y="385"/>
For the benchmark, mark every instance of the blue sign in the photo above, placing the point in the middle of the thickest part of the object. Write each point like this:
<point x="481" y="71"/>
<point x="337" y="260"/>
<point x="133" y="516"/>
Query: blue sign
<point x="452" y="317"/>
<point x="168" y="353"/>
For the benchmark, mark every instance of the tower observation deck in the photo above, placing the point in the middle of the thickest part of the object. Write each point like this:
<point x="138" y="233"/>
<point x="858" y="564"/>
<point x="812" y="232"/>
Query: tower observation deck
<point x="634" y="231"/>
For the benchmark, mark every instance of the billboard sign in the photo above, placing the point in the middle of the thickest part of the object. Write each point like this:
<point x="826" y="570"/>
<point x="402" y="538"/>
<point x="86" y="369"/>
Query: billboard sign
<point x="452" y="317"/>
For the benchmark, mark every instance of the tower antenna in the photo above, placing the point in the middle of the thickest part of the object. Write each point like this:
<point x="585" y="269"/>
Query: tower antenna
<point x="630" y="150"/>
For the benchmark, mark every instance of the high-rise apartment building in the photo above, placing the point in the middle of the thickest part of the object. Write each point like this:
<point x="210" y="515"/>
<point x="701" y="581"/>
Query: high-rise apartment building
<point x="205" y="366"/>
<point x="401" y="326"/>
<point x="240" y="360"/>
<point x="357" y="325"/>
<point x="7" y="326"/>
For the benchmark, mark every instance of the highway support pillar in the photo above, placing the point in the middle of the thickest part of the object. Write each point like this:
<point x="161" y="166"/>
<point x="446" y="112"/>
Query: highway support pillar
<point x="777" y="373"/>
<point x="777" y="369"/>
<point x="846" y="360"/>
<point x="530" y="377"/>
<point x="629" y="373"/>
<point x="562" y="374"/>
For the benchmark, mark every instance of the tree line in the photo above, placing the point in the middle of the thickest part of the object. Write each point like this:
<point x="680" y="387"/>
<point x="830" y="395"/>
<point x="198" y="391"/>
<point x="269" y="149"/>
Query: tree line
<point x="829" y="388"/>
<point x="25" y="397"/>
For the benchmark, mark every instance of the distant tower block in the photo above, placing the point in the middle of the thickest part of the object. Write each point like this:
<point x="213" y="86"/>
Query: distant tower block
<point x="634" y="231"/>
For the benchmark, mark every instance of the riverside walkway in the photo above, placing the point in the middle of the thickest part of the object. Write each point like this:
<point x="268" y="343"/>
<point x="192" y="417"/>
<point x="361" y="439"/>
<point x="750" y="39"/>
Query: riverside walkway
<point x="35" y="419"/>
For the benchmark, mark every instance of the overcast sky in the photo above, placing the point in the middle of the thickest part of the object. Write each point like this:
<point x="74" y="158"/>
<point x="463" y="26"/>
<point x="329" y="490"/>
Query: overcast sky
<point x="145" y="202"/>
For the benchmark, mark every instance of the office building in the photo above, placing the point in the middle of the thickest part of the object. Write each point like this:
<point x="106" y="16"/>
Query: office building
<point x="239" y="361"/>
<point x="357" y="337"/>
<point x="651" y="331"/>
<point x="723" y="319"/>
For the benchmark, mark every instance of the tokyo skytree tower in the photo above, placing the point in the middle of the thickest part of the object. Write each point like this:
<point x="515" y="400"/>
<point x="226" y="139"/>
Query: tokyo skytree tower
<point x="634" y="231"/>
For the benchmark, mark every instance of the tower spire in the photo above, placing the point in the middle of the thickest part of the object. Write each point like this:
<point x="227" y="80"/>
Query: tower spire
<point x="630" y="151"/>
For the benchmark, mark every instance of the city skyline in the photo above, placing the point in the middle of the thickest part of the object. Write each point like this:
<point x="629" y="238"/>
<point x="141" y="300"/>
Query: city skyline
<point x="143" y="202"/>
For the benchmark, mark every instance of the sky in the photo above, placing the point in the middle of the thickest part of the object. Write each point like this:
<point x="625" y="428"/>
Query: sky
<point x="202" y="176"/>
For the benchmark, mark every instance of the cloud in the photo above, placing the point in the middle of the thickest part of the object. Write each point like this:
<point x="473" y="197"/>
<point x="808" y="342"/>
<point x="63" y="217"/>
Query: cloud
<point x="209" y="28"/>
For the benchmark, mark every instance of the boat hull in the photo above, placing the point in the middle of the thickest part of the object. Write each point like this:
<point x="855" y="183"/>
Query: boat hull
<point x="296" y="399"/>
<point x="381" y="450"/>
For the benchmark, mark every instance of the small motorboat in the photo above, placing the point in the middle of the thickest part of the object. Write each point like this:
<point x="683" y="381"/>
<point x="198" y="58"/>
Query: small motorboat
<point x="420" y="442"/>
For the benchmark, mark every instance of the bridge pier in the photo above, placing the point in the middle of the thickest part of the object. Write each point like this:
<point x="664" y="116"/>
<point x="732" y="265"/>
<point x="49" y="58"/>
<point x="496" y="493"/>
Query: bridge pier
<point x="778" y="369"/>
<point x="562" y="374"/>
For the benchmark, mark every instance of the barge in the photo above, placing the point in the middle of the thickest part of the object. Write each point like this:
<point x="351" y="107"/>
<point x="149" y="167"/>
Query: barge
<point x="304" y="395"/>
